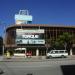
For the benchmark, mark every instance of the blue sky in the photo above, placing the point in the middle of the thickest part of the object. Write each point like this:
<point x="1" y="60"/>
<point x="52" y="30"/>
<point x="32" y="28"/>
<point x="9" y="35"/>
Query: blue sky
<point x="43" y="11"/>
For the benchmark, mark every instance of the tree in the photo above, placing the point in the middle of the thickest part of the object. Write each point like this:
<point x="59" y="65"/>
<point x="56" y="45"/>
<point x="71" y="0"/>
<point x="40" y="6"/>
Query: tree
<point x="66" y="39"/>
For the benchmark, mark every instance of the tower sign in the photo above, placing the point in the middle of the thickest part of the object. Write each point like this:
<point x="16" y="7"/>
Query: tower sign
<point x="23" y="17"/>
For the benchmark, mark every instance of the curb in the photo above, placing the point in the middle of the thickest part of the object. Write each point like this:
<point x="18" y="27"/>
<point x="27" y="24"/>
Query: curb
<point x="38" y="60"/>
<point x="22" y="59"/>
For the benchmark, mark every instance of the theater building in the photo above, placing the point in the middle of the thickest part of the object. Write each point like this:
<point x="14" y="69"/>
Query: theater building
<point x="23" y="36"/>
<point x="33" y="36"/>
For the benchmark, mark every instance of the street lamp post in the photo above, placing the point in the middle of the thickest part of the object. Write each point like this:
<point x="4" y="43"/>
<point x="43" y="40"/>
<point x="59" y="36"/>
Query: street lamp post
<point x="4" y="32"/>
<point x="4" y="40"/>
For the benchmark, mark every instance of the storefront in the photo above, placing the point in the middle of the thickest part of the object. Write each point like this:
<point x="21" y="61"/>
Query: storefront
<point x="34" y="37"/>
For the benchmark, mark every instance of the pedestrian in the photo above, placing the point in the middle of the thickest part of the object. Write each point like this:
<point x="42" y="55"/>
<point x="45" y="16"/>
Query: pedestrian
<point x="30" y="53"/>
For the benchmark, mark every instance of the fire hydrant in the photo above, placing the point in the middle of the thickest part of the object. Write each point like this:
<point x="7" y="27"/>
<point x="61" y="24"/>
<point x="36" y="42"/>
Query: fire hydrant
<point x="8" y="54"/>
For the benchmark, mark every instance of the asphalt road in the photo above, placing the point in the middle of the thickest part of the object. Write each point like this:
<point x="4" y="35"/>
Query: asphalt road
<point x="50" y="67"/>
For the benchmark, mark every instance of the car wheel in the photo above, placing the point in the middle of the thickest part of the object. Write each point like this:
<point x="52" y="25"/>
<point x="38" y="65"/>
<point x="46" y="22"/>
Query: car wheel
<point x="50" y="56"/>
<point x="62" y="56"/>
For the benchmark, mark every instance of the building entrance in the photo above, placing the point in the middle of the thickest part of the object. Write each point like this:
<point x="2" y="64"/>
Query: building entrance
<point x="34" y="51"/>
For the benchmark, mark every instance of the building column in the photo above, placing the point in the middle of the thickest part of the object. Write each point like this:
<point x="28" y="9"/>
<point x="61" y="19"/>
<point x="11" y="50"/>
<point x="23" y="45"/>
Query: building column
<point x="25" y="53"/>
<point x="71" y="52"/>
<point x="37" y="52"/>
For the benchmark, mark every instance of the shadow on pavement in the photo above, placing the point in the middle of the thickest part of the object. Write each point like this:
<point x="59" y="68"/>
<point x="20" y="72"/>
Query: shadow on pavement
<point x="1" y="71"/>
<point x="68" y="69"/>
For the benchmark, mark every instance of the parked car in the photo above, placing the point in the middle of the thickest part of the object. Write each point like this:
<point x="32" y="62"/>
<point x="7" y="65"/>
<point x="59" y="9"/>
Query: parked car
<point x="57" y="53"/>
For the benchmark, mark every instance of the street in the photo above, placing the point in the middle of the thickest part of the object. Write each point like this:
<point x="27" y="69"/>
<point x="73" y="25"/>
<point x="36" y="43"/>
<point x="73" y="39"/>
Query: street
<point x="50" y="67"/>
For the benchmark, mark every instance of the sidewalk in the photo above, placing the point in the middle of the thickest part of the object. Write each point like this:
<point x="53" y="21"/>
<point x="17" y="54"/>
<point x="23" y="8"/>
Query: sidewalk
<point x="23" y="59"/>
<point x="71" y="56"/>
<point x="1" y="58"/>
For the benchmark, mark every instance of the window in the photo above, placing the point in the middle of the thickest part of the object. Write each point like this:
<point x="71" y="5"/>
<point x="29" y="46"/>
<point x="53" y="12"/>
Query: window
<point x="61" y="51"/>
<point x="51" y="51"/>
<point x="66" y="52"/>
<point x="56" y="51"/>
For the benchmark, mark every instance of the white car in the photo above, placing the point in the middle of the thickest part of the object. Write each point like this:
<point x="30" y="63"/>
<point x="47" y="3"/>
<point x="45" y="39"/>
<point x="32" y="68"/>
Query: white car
<point x="57" y="53"/>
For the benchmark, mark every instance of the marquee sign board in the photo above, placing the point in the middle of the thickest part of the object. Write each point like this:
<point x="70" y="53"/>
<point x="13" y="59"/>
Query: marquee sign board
<point x="35" y="36"/>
